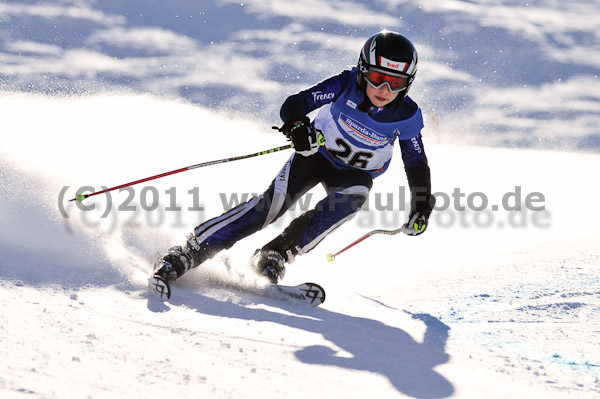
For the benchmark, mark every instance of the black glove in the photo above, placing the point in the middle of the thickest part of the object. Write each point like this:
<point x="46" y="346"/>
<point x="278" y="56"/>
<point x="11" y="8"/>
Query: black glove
<point x="417" y="224"/>
<point x="305" y="138"/>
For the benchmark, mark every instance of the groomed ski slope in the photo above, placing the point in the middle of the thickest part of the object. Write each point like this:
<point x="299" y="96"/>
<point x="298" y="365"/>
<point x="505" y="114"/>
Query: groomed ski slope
<point x="485" y="304"/>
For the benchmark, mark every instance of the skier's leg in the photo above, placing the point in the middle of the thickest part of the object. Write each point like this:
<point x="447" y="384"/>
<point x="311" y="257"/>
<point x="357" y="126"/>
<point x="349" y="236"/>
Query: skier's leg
<point x="347" y="192"/>
<point x="298" y="175"/>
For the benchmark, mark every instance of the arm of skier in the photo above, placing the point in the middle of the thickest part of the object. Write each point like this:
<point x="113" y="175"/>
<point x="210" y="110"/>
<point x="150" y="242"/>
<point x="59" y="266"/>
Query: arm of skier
<point x="297" y="126"/>
<point x="418" y="175"/>
<point x="298" y="105"/>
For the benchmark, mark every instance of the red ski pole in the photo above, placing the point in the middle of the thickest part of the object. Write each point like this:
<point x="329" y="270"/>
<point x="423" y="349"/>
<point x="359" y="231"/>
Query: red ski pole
<point x="81" y="197"/>
<point x="331" y="257"/>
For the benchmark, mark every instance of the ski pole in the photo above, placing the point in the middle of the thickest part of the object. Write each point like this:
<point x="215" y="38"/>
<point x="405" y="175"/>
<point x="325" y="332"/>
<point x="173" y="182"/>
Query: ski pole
<point x="81" y="197"/>
<point x="331" y="257"/>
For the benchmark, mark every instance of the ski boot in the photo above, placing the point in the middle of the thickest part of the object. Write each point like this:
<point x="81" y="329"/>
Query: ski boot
<point x="269" y="263"/>
<point x="181" y="258"/>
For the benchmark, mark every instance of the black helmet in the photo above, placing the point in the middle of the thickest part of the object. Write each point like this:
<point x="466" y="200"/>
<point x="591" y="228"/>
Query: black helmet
<point x="387" y="58"/>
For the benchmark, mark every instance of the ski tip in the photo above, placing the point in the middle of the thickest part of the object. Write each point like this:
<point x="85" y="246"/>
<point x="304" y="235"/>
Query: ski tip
<point x="330" y="258"/>
<point x="316" y="293"/>
<point x="159" y="287"/>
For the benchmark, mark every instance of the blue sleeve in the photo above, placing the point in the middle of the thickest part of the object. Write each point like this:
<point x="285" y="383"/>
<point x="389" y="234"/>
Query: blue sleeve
<point x="413" y="152"/>
<point x="300" y="104"/>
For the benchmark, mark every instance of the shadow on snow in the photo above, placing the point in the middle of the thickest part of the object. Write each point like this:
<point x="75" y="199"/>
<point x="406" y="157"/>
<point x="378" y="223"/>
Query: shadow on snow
<point x="374" y="346"/>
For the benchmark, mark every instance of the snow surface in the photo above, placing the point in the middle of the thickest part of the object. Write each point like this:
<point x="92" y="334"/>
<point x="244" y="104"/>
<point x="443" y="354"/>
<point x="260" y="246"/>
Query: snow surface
<point x="486" y="304"/>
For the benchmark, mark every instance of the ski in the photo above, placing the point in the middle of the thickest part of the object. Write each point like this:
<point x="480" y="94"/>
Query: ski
<point x="159" y="287"/>
<point x="310" y="294"/>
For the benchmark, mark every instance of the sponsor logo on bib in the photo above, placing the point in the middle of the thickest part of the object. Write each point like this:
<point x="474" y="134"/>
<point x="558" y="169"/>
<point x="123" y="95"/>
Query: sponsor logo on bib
<point x="360" y="132"/>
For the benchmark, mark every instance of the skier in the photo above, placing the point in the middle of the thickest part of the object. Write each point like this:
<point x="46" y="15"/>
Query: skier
<point x="349" y="143"/>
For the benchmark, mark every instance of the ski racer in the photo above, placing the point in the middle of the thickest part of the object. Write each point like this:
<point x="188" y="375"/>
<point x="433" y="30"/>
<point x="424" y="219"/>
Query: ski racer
<point x="362" y="112"/>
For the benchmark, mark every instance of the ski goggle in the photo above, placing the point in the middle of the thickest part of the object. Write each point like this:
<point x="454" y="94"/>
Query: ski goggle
<point x="378" y="79"/>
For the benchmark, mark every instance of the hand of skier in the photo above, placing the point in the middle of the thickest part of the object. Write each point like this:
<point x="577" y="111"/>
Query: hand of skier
<point x="417" y="224"/>
<point x="305" y="138"/>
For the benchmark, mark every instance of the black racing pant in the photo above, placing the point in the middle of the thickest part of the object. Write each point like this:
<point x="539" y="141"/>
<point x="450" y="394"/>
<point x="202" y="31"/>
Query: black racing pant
<point x="346" y="190"/>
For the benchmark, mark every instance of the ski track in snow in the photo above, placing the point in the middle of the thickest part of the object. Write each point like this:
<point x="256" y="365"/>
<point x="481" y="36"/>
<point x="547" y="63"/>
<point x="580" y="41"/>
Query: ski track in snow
<point x="487" y="304"/>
